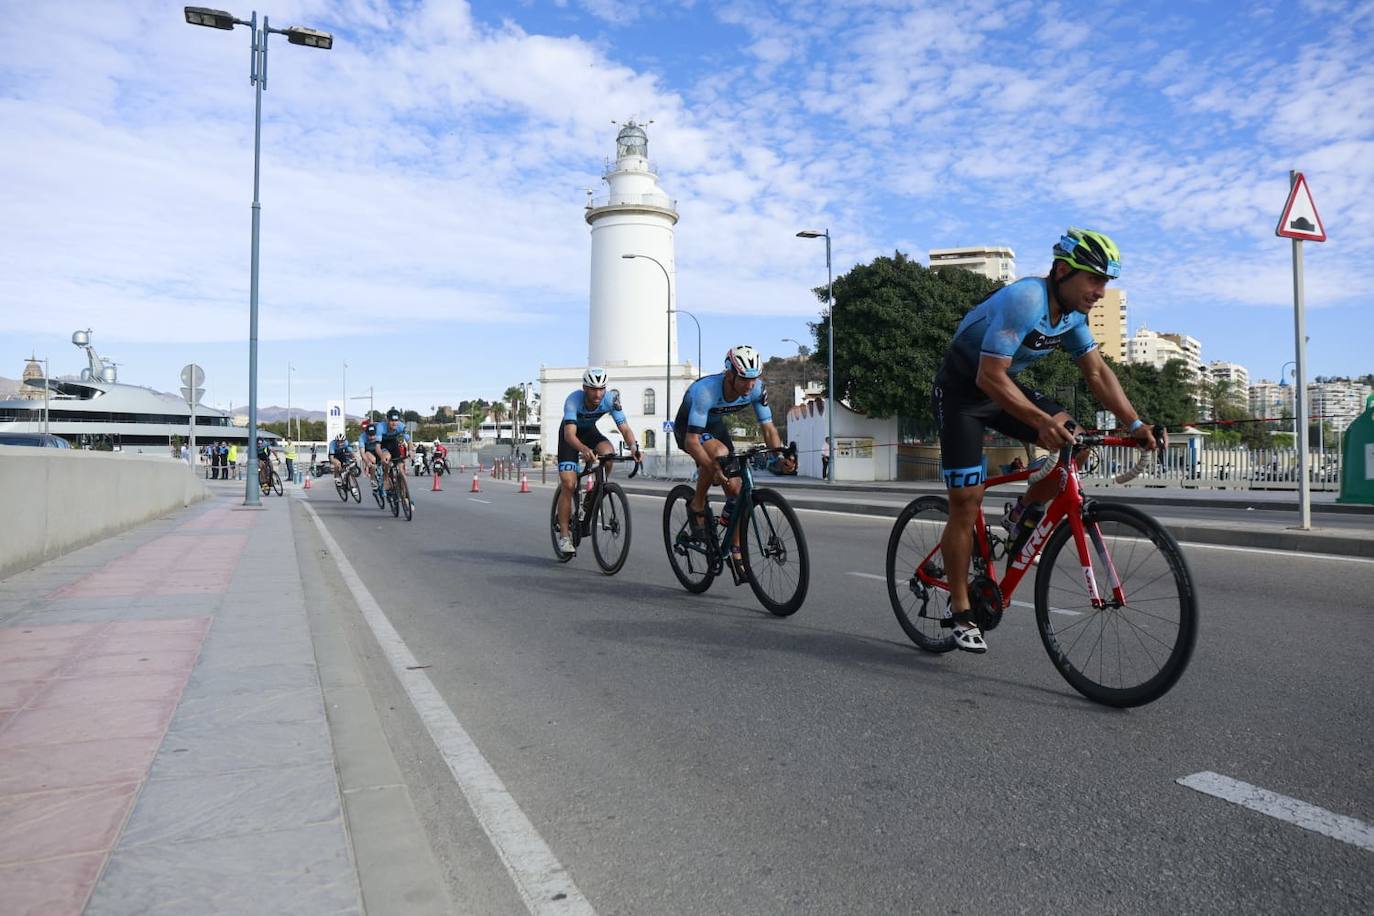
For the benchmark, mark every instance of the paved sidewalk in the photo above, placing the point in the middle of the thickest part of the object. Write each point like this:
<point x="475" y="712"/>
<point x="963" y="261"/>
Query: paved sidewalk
<point x="164" y="746"/>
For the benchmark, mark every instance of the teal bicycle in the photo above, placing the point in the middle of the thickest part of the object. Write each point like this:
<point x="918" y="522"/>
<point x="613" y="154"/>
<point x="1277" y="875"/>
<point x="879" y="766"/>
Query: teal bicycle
<point x="772" y="558"/>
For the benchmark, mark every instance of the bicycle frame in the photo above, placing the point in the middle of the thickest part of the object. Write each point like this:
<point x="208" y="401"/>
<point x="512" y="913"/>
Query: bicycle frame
<point x="1068" y="503"/>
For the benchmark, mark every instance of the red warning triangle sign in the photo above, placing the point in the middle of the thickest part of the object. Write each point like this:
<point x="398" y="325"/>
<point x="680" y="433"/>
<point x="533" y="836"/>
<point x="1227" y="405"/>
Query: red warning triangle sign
<point x="1300" y="219"/>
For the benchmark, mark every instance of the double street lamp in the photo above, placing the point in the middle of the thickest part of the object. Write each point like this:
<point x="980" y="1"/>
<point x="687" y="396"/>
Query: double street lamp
<point x="830" y="348"/>
<point x="257" y="75"/>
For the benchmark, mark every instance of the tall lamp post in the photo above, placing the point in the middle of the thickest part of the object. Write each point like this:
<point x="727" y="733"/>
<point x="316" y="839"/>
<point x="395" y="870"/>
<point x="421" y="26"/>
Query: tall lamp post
<point x="682" y="311"/>
<point x="667" y="367"/>
<point x="257" y="75"/>
<point x="830" y="347"/>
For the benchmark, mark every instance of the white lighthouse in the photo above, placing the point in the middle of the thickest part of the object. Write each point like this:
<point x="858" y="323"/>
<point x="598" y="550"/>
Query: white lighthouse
<point x="632" y="323"/>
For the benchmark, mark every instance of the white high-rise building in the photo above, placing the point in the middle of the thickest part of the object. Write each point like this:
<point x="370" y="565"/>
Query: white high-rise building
<point x="631" y="319"/>
<point x="1236" y="377"/>
<point x="1338" y="401"/>
<point x="1271" y="400"/>
<point x="993" y="262"/>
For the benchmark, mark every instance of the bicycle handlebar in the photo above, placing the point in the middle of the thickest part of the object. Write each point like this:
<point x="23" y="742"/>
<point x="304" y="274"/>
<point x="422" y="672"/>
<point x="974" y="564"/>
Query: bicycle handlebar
<point x="598" y="460"/>
<point x="1085" y="440"/>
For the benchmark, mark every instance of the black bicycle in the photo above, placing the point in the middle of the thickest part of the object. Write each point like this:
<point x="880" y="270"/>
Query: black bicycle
<point x="346" y="482"/>
<point x="269" y="480"/>
<point x="772" y="557"/>
<point x="398" y="492"/>
<point x="601" y="512"/>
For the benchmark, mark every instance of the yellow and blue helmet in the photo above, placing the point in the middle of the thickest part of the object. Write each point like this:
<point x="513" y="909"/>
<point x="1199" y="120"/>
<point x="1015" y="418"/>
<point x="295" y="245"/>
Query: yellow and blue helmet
<point x="1084" y="249"/>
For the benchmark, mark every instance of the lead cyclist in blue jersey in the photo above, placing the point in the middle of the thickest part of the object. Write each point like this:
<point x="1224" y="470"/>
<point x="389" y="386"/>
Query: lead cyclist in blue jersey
<point x="387" y="447"/>
<point x="700" y="430"/>
<point x="581" y="439"/>
<point x="974" y="389"/>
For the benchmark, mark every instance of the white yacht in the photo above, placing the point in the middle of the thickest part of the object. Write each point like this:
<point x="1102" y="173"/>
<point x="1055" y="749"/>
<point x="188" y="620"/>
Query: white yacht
<point x="95" y="411"/>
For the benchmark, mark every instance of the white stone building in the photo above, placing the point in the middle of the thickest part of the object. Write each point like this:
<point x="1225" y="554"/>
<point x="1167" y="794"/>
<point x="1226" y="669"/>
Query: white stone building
<point x="631" y="319"/>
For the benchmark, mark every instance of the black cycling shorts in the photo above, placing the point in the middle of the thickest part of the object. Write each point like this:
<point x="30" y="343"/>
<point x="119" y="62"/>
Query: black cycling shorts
<point x="963" y="412"/>
<point x="393" y="448"/>
<point x="569" y="459"/>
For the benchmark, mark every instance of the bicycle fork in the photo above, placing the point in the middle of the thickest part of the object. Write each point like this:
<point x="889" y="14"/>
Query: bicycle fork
<point x="1082" y="535"/>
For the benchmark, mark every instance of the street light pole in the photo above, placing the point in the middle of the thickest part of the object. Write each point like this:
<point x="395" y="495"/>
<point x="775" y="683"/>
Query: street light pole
<point x="296" y="35"/>
<point x="289" y="369"/>
<point x="667" y="366"/>
<point x="830" y="347"/>
<point x="682" y="311"/>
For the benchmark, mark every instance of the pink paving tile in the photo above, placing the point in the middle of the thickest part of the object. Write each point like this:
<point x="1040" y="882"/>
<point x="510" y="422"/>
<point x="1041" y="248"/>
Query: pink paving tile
<point x="89" y="690"/>
<point x="77" y="765"/>
<point x="66" y="724"/>
<point x="14" y="694"/>
<point x="172" y="641"/>
<point x="43" y="633"/>
<point x="170" y="565"/>
<point x="47" y="824"/>
<point x="163" y="661"/>
<point x="30" y="669"/>
<point x="222" y="519"/>
<point x="35" y="648"/>
<point x="58" y="887"/>
<point x="159" y="625"/>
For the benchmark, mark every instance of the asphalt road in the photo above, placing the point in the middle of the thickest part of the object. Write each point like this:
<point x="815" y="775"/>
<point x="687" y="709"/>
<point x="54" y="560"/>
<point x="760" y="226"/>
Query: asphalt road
<point x="694" y="754"/>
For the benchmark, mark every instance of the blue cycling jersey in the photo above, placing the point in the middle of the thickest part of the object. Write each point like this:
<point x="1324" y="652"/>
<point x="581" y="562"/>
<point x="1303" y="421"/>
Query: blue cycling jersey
<point x="575" y="409"/>
<point x="1015" y="322"/>
<point x="389" y="430"/>
<point x="339" y="448"/>
<point x="705" y="401"/>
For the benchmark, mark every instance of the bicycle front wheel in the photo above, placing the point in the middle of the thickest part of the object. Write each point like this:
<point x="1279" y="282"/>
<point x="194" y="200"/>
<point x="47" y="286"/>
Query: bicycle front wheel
<point x="611" y="529"/>
<point x="341" y="487"/>
<point x="775" y="555"/>
<point x="406" y="505"/>
<point x="379" y="491"/>
<point x="689" y="556"/>
<point x="1133" y="645"/>
<point x="555" y="533"/>
<point x="914" y="545"/>
<point x="276" y="483"/>
<point x="354" y="488"/>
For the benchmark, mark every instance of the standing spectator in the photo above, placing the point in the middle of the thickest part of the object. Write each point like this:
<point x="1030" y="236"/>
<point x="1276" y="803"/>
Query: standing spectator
<point x="313" y="459"/>
<point x="825" y="459"/>
<point x="232" y="456"/>
<point x="290" y="460"/>
<point x="185" y="453"/>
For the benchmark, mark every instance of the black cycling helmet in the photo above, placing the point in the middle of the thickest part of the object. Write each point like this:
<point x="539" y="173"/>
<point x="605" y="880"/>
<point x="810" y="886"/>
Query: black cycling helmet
<point x="393" y="414"/>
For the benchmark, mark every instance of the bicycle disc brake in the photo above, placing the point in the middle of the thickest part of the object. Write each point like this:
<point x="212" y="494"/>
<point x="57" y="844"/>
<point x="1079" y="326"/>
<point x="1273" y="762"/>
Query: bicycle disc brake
<point x="986" y="599"/>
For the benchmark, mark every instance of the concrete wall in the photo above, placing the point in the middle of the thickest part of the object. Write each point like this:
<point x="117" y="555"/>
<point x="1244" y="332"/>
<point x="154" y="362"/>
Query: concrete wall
<point x="57" y="500"/>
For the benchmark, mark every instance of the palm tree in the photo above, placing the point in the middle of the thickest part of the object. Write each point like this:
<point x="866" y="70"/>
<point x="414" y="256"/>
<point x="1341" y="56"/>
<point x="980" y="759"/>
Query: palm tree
<point x="498" y="413"/>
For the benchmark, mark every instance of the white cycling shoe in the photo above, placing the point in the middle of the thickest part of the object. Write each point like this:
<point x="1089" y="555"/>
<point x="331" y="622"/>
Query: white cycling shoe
<point x="565" y="547"/>
<point x="967" y="636"/>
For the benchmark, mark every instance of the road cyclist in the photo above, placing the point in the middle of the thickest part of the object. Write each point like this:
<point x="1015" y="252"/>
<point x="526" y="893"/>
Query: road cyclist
<point x="976" y="388"/>
<point x="390" y="449"/>
<point x="345" y="467"/>
<point x="268" y="479"/>
<point x="368" y="439"/>
<point x="580" y="439"/>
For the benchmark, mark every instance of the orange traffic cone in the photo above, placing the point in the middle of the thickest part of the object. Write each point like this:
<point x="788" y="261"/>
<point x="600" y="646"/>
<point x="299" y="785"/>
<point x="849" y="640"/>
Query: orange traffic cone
<point x="307" y="481"/>
<point x="476" y="488"/>
<point x="437" y="488"/>
<point x="524" y="482"/>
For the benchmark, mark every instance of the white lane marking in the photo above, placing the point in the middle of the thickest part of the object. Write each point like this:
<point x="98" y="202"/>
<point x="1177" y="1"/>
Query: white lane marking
<point x="1053" y="610"/>
<point x="1309" y="817"/>
<point x="543" y="882"/>
<point x="476" y="500"/>
<point x="1286" y="554"/>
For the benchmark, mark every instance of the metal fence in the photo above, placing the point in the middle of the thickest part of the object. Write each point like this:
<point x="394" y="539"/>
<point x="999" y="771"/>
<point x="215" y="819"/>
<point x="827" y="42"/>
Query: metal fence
<point x="1231" y="468"/>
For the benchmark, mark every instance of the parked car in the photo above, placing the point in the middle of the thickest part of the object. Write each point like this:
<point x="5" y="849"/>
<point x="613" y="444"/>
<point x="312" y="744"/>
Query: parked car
<point x="37" y="440"/>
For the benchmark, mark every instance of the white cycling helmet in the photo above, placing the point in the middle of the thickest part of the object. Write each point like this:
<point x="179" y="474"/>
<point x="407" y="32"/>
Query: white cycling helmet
<point x="745" y="360"/>
<point x="594" y="377"/>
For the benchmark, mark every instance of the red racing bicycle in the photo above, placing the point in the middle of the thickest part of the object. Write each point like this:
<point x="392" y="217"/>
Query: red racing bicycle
<point x="1114" y="599"/>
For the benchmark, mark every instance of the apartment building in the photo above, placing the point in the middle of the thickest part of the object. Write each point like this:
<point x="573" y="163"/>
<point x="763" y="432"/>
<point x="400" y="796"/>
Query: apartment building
<point x="1107" y="321"/>
<point x="1235" y="376"/>
<point x="1271" y="399"/>
<point x="995" y="263"/>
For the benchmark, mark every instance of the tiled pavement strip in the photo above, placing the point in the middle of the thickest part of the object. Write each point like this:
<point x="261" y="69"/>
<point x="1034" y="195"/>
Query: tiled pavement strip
<point x="163" y="740"/>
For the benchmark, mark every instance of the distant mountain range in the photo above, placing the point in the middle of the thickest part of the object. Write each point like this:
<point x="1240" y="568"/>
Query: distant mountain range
<point x="276" y="414"/>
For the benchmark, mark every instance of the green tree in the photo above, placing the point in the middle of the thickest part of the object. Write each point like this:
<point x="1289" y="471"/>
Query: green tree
<point x="895" y="320"/>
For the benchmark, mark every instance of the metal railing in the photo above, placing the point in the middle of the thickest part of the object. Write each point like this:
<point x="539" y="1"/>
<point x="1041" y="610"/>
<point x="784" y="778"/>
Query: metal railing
<point x="662" y="201"/>
<point x="1233" y="468"/>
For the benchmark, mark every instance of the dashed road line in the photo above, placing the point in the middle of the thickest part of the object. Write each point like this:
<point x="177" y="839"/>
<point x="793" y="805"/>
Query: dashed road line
<point x="1309" y="817"/>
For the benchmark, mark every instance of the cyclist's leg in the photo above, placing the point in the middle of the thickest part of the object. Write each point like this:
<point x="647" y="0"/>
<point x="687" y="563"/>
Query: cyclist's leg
<point x="568" y="467"/>
<point x="1010" y="426"/>
<point x="960" y="416"/>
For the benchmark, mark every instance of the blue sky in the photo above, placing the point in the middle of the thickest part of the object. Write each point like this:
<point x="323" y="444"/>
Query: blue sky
<point x="423" y="182"/>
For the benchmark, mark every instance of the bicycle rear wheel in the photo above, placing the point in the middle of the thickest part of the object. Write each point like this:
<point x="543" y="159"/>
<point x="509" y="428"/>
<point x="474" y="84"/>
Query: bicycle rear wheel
<point x="1119" y="654"/>
<point x="276" y="483"/>
<point x="611" y="529"/>
<point x="353" y="487"/>
<point x="688" y="556"/>
<point x="341" y="486"/>
<point x="775" y="555"/>
<point x="406" y="505"/>
<point x="919" y="606"/>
